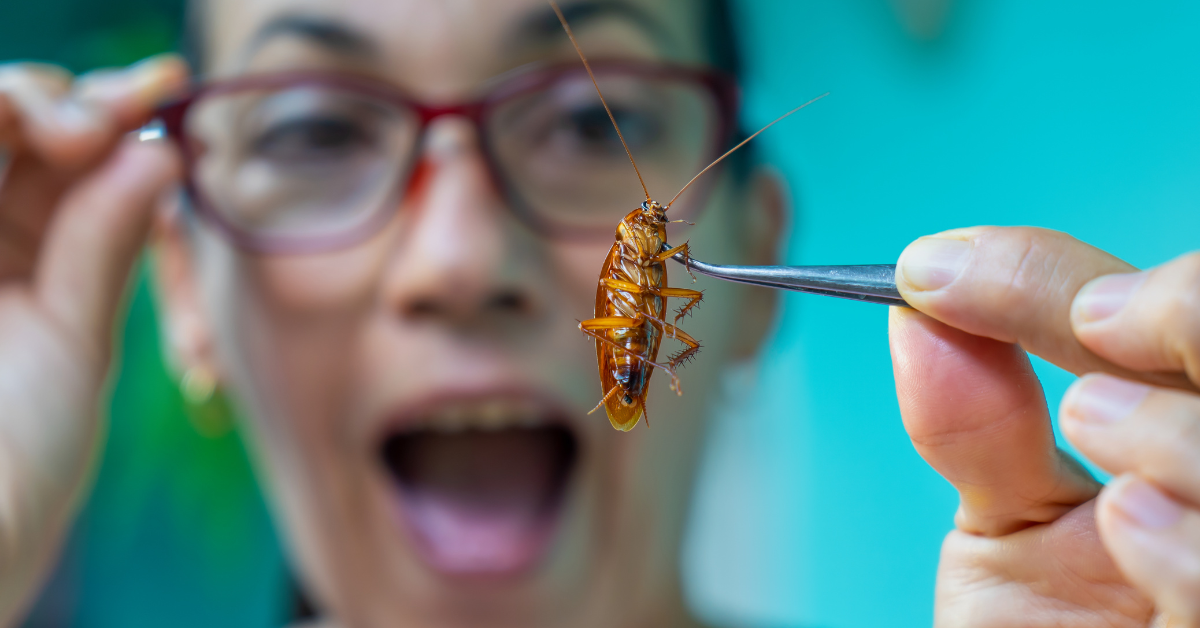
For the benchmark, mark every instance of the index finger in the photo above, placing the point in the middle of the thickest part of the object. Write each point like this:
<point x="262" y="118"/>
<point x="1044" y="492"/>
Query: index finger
<point x="72" y="124"/>
<point x="1015" y="285"/>
<point x="28" y="87"/>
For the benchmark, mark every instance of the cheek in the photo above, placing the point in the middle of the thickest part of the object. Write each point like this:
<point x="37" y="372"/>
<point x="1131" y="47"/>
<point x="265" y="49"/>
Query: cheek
<point x="286" y="327"/>
<point x="318" y="284"/>
<point x="577" y="271"/>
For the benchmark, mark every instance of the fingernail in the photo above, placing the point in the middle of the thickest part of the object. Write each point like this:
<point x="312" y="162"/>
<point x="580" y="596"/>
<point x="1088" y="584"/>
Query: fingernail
<point x="1105" y="399"/>
<point x="1146" y="505"/>
<point x="148" y="80"/>
<point x="932" y="263"/>
<point x="157" y="74"/>
<point x="1104" y="296"/>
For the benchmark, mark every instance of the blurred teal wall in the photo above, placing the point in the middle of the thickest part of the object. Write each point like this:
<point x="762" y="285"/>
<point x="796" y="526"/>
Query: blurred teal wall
<point x="813" y="509"/>
<point x="1082" y="116"/>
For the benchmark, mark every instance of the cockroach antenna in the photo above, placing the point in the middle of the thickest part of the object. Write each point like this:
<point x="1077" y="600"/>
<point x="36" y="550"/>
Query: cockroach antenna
<point x="740" y="144"/>
<point x="588" y="67"/>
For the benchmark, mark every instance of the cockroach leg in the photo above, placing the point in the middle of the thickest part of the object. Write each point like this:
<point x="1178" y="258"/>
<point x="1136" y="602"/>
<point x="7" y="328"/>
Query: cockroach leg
<point x="618" y="322"/>
<point x="638" y="247"/>
<point x="610" y="322"/>
<point x="683" y="356"/>
<point x="624" y="286"/>
<point x="669" y="253"/>
<point x="672" y="330"/>
<point x="670" y="371"/>
<point x="693" y="345"/>
<point x="689" y="352"/>
<point x="610" y="393"/>
<point x="680" y="335"/>
<point x="658" y="322"/>
<point x="693" y="296"/>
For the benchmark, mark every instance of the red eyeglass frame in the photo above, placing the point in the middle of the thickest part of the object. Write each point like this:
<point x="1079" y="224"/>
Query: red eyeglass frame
<point x="721" y="86"/>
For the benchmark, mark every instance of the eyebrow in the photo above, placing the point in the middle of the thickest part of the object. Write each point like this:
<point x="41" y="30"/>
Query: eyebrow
<point x="323" y="31"/>
<point x="543" y="25"/>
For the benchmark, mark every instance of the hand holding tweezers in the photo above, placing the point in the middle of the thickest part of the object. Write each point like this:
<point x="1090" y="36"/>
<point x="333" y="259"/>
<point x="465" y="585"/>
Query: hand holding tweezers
<point x="872" y="283"/>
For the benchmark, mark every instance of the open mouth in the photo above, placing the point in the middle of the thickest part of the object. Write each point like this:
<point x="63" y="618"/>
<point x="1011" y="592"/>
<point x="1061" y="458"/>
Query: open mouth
<point x="480" y="485"/>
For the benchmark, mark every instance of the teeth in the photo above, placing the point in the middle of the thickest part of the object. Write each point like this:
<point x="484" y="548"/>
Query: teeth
<point x="451" y="419"/>
<point x="449" y="426"/>
<point x="485" y="415"/>
<point x="492" y="416"/>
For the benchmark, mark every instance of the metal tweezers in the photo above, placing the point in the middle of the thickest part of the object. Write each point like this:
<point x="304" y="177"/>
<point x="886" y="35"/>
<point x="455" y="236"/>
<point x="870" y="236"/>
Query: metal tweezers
<point x="871" y="283"/>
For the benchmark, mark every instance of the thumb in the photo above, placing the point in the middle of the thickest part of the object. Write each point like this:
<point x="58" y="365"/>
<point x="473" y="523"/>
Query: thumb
<point x="976" y="413"/>
<point x="96" y="235"/>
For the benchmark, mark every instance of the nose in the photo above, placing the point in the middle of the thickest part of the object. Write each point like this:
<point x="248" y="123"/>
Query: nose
<point x="463" y="261"/>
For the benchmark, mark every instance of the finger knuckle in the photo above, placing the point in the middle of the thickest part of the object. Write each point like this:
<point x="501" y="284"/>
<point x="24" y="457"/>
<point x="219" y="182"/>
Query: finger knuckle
<point x="1034" y="262"/>
<point x="1180" y="314"/>
<point x="1173" y="455"/>
<point x="1186" y="280"/>
<point x="25" y="76"/>
<point x="1187" y="586"/>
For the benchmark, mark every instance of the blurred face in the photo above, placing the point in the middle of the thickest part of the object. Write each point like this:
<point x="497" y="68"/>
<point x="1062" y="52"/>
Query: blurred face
<point x="418" y="400"/>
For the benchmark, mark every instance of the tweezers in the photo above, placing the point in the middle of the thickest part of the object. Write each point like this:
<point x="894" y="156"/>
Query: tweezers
<point x="870" y="283"/>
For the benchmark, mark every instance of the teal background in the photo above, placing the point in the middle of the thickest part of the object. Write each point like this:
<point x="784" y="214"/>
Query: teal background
<point x="812" y="509"/>
<point x="1073" y="115"/>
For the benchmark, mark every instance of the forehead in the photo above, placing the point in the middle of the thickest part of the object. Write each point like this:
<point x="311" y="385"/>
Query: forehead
<point x="444" y="45"/>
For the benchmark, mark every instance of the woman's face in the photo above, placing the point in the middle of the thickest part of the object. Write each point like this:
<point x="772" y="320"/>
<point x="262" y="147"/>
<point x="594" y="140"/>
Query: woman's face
<point x="418" y="402"/>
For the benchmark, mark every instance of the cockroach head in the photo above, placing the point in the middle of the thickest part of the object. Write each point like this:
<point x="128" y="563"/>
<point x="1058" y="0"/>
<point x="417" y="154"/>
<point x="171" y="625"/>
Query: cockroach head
<point x="653" y="209"/>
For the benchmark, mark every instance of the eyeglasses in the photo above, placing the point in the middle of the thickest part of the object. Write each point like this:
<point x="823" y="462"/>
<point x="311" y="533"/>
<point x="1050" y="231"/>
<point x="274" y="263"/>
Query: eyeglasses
<point x="314" y="161"/>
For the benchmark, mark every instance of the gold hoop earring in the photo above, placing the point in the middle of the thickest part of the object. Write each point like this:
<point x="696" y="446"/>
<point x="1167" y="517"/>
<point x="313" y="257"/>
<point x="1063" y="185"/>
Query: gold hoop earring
<point x="204" y="405"/>
<point x="198" y="385"/>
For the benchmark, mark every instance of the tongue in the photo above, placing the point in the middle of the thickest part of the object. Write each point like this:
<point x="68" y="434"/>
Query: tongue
<point x="481" y="502"/>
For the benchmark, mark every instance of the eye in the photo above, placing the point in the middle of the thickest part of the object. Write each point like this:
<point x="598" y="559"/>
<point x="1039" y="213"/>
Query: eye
<point x="590" y="129"/>
<point x="313" y="138"/>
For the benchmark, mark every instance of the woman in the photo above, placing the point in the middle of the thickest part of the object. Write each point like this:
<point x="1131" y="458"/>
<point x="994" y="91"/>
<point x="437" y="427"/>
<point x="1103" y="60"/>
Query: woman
<point x="410" y="365"/>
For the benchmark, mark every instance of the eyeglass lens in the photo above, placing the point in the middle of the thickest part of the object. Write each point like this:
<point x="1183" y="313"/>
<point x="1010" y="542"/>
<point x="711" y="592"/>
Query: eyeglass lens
<point x="562" y="158"/>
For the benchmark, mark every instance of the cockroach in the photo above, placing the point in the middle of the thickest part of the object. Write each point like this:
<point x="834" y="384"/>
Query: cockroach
<point x="632" y="293"/>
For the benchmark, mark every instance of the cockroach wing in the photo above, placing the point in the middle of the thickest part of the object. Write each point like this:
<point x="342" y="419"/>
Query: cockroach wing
<point x="623" y="418"/>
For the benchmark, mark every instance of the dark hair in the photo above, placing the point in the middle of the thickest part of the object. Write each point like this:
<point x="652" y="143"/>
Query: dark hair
<point x="721" y="39"/>
<point x="725" y="55"/>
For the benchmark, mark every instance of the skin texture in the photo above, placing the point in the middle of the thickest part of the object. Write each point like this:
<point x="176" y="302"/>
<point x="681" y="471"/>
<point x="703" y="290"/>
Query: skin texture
<point x="319" y="350"/>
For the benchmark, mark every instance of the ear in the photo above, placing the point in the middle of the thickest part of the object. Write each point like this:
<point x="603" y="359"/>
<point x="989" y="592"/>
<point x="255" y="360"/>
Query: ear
<point x="763" y="232"/>
<point x="188" y="338"/>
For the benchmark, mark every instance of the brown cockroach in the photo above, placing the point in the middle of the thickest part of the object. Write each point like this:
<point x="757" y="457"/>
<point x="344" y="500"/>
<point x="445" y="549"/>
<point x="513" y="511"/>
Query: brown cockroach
<point x="631" y="298"/>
